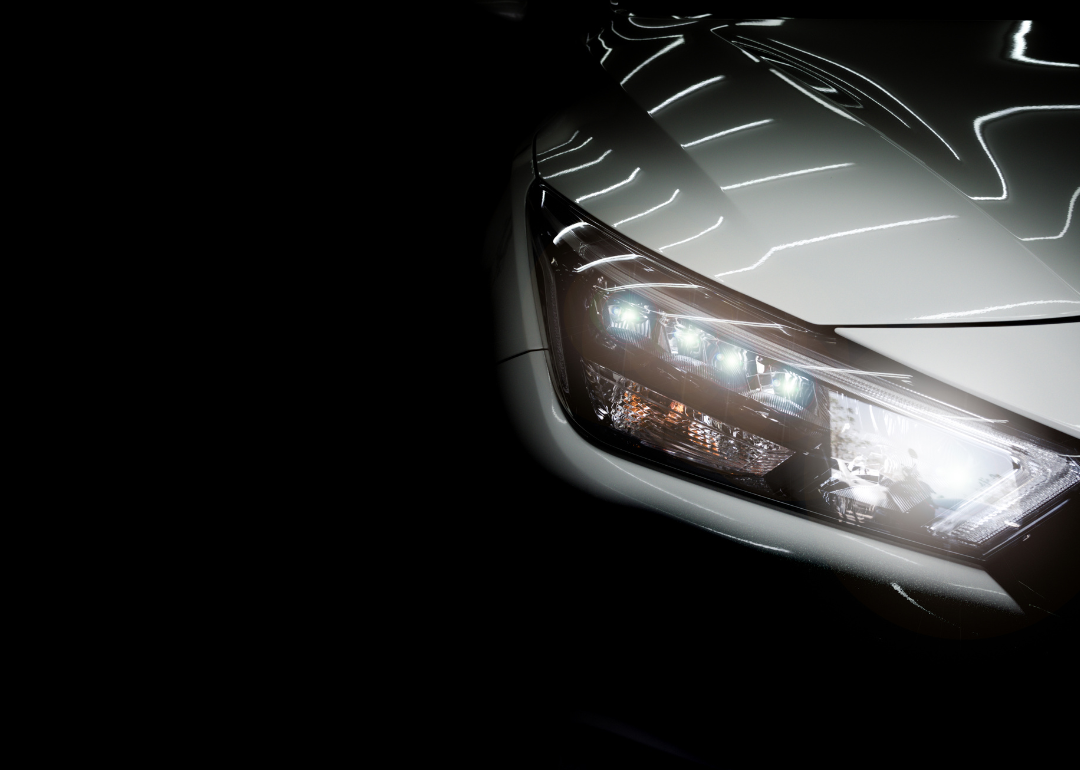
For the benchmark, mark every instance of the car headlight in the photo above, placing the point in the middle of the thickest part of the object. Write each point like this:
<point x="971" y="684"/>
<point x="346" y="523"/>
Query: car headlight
<point x="654" y="360"/>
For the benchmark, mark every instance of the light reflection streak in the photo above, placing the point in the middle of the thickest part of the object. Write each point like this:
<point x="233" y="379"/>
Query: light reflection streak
<point x="789" y="59"/>
<point x="871" y="82"/>
<point x="820" y="238"/>
<point x="973" y="588"/>
<point x="643" y="213"/>
<point x="578" y="168"/>
<point x="709" y="319"/>
<point x="566" y="230"/>
<point x="761" y="23"/>
<point x="628" y="180"/>
<point x="784" y="176"/>
<point x="572" y="138"/>
<point x="729" y="131"/>
<point x="813" y="96"/>
<point x="1068" y="221"/>
<point x="963" y="313"/>
<point x="658" y="54"/>
<point x="928" y="612"/>
<point x="752" y="57"/>
<point x="786" y="62"/>
<point x="639" y="39"/>
<point x="981" y="121"/>
<point x="1020" y="45"/>
<point x="687" y="240"/>
<point x="889" y="553"/>
<point x="659" y="26"/>
<point x="594" y="263"/>
<point x="684" y="92"/>
<point x="558" y="154"/>
<point x="608" y="50"/>
<point x="653" y="286"/>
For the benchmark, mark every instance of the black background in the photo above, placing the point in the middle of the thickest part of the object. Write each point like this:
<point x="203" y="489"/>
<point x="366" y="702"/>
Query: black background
<point x="544" y="610"/>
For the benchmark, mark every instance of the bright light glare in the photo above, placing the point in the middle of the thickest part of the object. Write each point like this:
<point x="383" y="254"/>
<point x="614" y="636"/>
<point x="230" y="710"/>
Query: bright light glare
<point x="731" y="361"/>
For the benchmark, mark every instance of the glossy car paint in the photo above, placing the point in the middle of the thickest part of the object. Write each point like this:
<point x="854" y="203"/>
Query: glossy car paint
<point x="522" y="347"/>
<point x="727" y="149"/>
<point x="983" y="361"/>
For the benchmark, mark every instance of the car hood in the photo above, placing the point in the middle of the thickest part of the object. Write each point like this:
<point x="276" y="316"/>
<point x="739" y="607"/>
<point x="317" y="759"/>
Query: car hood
<point x="847" y="174"/>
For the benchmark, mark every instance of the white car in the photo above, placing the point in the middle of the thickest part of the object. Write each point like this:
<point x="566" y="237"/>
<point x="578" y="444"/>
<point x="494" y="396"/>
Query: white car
<point x="816" y="293"/>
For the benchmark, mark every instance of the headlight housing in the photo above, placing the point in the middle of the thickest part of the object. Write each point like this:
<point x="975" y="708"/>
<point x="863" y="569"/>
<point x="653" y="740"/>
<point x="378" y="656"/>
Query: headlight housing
<point x="656" y="361"/>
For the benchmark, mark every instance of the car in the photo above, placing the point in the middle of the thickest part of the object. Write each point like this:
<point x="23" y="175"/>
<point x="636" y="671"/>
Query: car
<point x="813" y="288"/>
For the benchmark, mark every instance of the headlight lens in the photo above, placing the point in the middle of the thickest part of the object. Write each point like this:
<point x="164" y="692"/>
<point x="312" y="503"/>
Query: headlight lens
<point x="654" y="360"/>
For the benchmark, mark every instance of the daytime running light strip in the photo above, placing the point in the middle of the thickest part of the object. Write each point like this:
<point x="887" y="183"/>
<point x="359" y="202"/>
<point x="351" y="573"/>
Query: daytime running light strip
<point x="689" y="90"/>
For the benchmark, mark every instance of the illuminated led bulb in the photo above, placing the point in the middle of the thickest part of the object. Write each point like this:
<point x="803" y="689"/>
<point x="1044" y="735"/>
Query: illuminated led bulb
<point x="729" y="361"/>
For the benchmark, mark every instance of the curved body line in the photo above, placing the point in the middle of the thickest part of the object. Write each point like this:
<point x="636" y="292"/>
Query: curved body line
<point x="871" y="82"/>
<point x="813" y="96"/>
<point x="685" y="92"/>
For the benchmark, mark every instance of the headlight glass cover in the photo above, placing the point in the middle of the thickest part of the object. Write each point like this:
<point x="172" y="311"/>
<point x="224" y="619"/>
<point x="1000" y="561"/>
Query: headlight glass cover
<point x="654" y="360"/>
